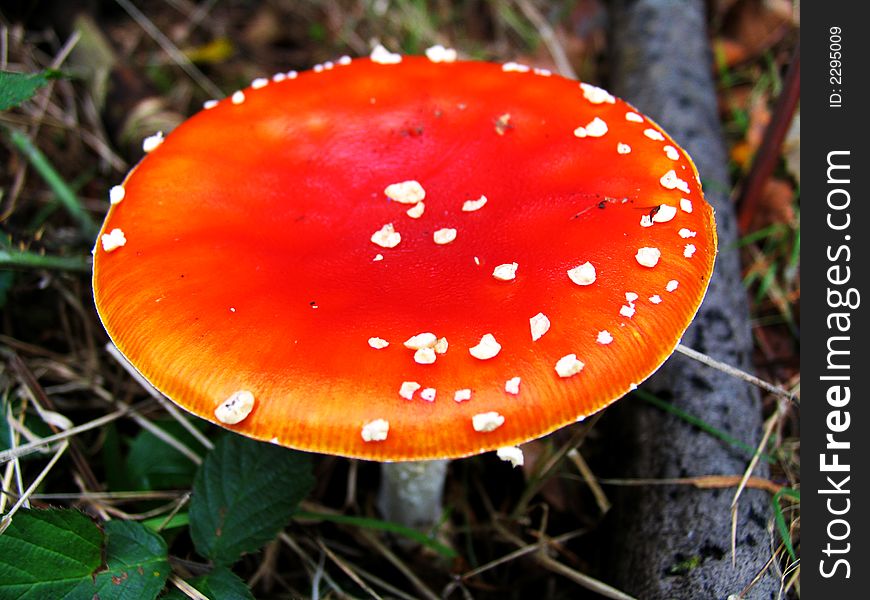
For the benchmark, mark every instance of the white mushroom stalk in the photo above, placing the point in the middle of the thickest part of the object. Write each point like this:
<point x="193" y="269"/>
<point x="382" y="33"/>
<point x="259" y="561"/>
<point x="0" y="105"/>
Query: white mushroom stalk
<point x="411" y="492"/>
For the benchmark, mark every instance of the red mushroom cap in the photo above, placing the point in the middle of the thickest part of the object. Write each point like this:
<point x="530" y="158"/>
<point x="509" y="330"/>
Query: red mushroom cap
<point x="405" y="259"/>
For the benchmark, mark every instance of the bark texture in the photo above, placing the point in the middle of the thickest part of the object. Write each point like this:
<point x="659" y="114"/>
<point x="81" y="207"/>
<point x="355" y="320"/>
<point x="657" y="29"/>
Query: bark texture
<point x="674" y="541"/>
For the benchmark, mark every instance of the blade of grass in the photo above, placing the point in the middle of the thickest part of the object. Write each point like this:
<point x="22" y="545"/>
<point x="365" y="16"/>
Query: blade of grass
<point x="779" y="517"/>
<point x="63" y="191"/>
<point x="767" y="280"/>
<point x="795" y="256"/>
<point x="699" y="423"/>
<point x="376" y="524"/>
<point x="22" y="259"/>
<point x="757" y="236"/>
<point x="161" y="523"/>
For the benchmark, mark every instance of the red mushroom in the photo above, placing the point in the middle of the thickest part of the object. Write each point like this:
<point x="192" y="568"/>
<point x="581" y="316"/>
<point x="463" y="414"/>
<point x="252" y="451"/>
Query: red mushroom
<point x="404" y="258"/>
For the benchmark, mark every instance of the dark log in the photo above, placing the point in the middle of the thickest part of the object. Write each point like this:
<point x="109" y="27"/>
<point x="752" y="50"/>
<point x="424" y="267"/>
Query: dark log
<point x="673" y="542"/>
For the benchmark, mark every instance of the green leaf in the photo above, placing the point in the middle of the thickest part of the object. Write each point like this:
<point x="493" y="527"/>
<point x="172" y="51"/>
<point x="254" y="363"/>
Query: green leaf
<point x="220" y="584"/>
<point x="49" y="554"/>
<point x="113" y="460"/>
<point x="152" y="464"/>
<point x="137" y="563"/>
<point x="7" y="278"/>
<point x="223" y="583"/>
<point x="244" y="493"/>
<point x="64" y="192"/>
<point x="16" y="88"/>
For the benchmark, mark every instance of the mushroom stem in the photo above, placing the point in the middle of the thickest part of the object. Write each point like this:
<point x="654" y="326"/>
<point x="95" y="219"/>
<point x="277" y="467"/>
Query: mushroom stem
<point x="411" y="492"/>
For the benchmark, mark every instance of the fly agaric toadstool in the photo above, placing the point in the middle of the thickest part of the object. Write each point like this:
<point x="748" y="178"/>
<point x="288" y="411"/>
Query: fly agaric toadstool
<point x="265" y="270"/>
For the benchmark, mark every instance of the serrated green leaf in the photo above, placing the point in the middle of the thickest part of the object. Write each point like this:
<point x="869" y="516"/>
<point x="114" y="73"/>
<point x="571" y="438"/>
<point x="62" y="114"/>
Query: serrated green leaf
<point x="137" y="563"/>
<point x="220" y="584"/>
<point x="244" y="493"/>
<point x="223" y="583"/>
<point x="49" y="554"/>
<point x="16" y="88"/>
